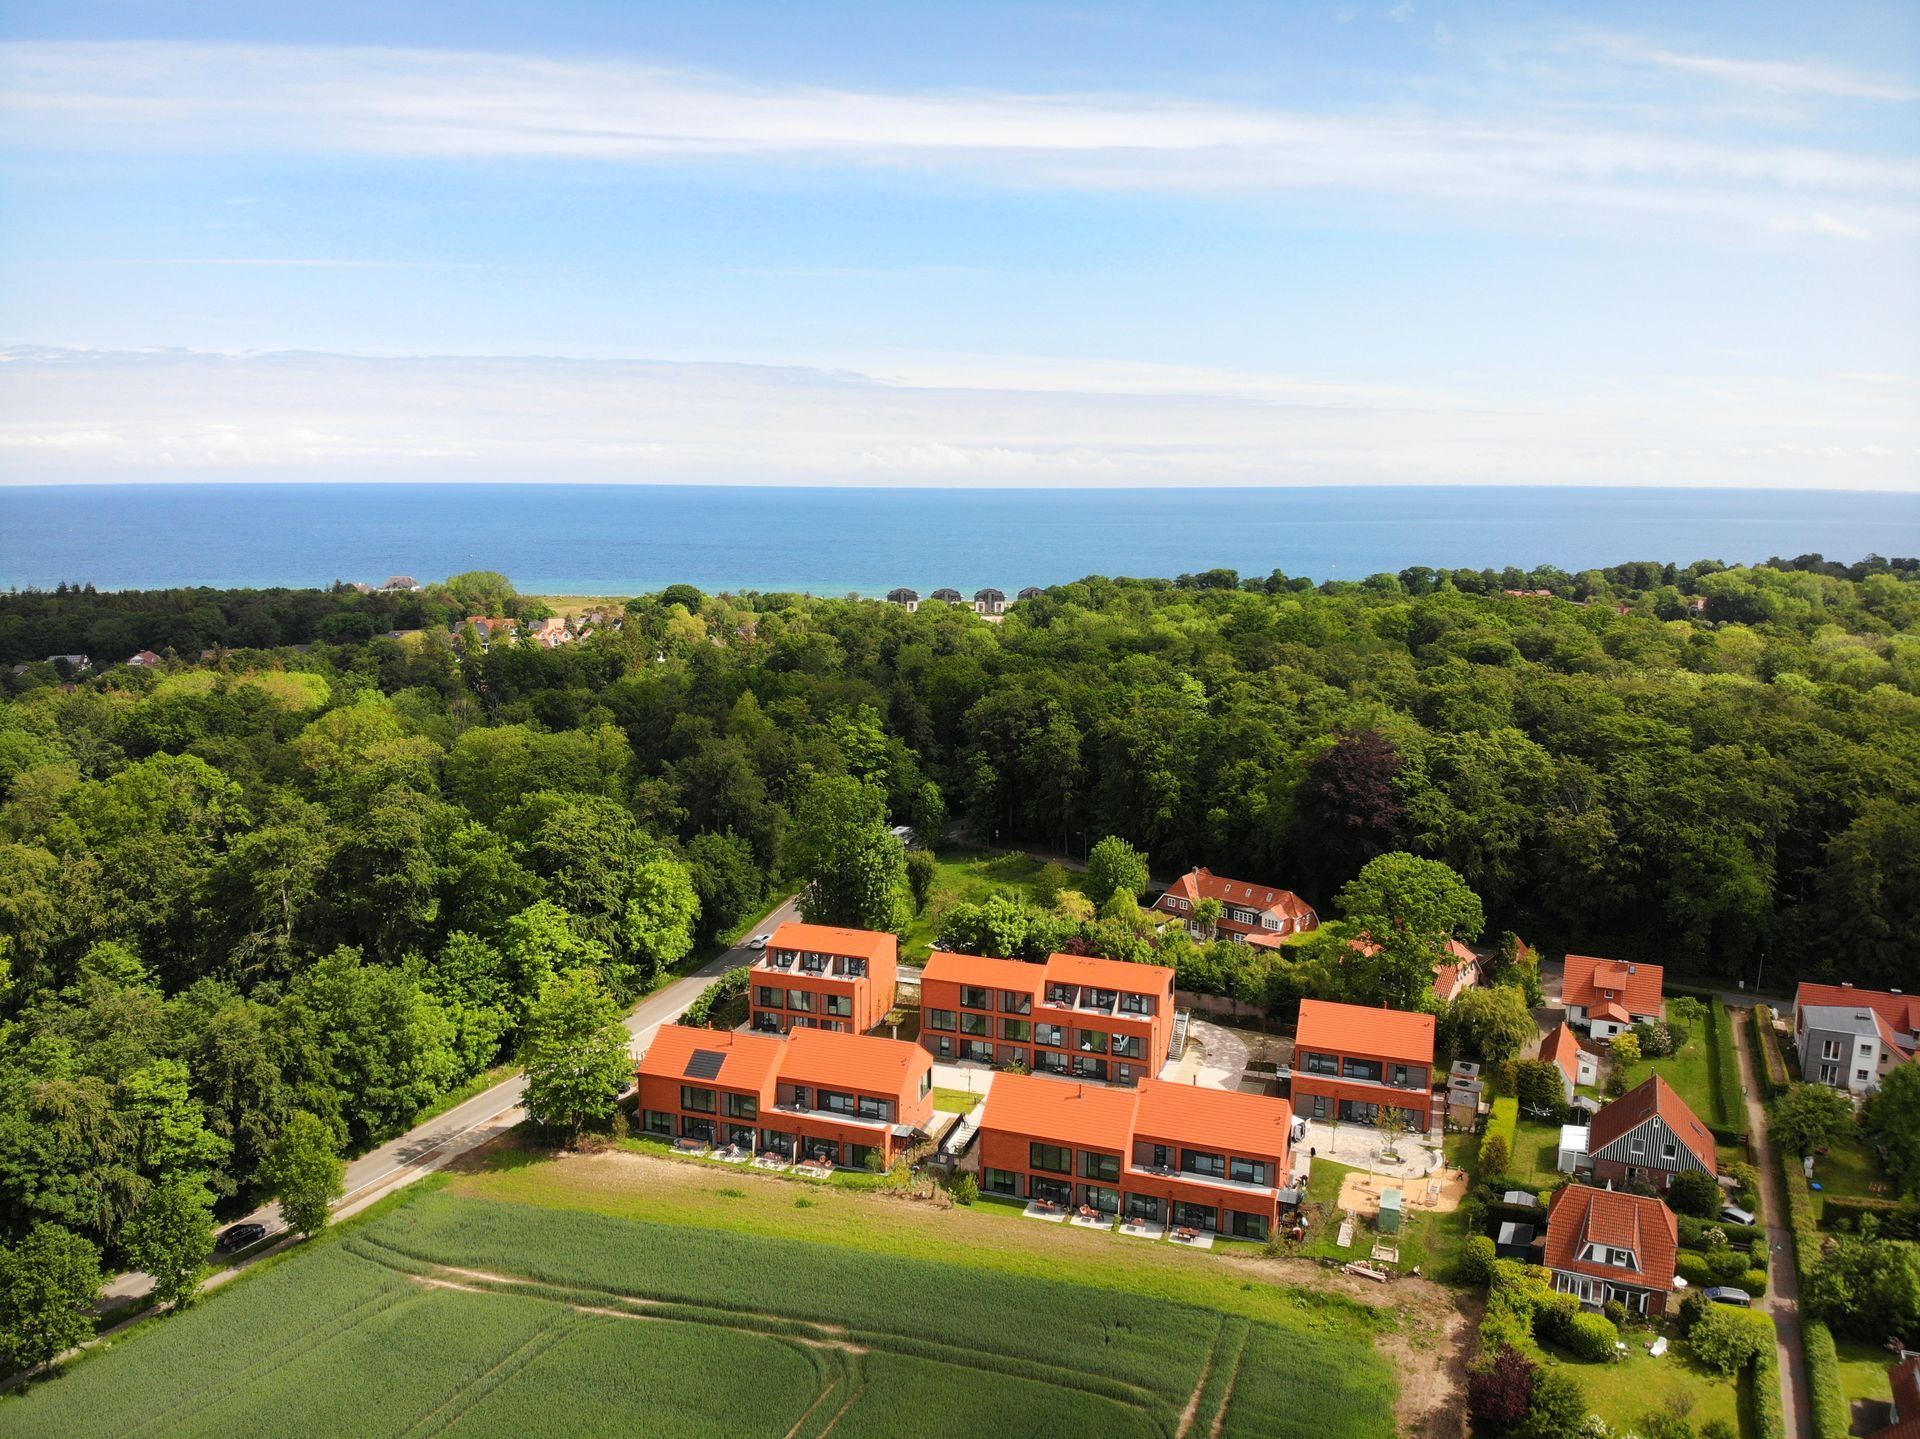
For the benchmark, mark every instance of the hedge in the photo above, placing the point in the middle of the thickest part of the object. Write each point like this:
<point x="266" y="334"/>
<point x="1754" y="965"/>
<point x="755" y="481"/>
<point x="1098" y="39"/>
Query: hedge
<point x="1692" y="1231"/>
<point x="1825" y="1397"/>
<point x="1766" y="1045"/>
<point x="715" y="995"/>
<point x="1769" y="1419"/>
<point x="1503" y="1123"/>
<point x="1726" y="1071"/>
<point x="1699" y="1270"/>
<point x="1897" y="1219"/>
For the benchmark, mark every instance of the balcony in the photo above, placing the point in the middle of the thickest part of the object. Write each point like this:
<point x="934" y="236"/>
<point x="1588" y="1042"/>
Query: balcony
<point x="1188" y="1176"/>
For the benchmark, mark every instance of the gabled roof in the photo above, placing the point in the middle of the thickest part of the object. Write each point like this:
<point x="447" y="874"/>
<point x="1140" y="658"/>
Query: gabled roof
<point x="1902" y="1011"/>
<point x="862" y="1062"/>
<point x="1640" y="1104"/>
<point x="1091" y="970"/>
<point x="747" y="1060"/>
<point x="830" y="939"/>
<point x="1221" y="1119"/>
<point x="1014" y="974"/>
<point x="1061" y="1111"/>
<point x="1904" y="1379"/>
<point x="1562" y="1047"/>
<point x="1360" y="1029"/>
<point x="1446" y="978"/>
<point x="1203" y="883"/>
<point x="1580" y="1214"/>
<point x="1636" y="985"/>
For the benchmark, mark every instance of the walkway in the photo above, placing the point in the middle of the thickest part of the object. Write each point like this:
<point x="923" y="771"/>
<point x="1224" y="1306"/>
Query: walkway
<point x="1783" y="1282"/>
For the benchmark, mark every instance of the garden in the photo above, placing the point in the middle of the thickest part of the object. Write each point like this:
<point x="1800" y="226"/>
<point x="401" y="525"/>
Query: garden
<point x="967" y="877"/>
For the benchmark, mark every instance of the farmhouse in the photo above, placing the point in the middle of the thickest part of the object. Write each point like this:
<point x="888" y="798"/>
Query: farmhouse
<point x="1351" y="1061"/>
<point x="1603" y="1244"/>
<point x="1577" y="1067"/>
<point x="1098" y="1019"/>
<point x="1647" y="1136"/>
<point x="816" y="976"/>
<point x="1607" y="996"/>
<point x="1849" y="1038"/>
<point x="1210" y="1160"/>
<point x="854" y="1100"/>
<point x="1252" y="913"/>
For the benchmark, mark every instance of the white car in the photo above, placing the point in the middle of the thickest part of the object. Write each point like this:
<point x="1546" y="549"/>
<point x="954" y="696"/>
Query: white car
<point x="759" y="941"/>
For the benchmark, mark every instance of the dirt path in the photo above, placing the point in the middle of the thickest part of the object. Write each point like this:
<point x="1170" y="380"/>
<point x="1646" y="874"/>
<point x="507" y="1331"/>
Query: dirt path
<point x="1783" y="1284"/>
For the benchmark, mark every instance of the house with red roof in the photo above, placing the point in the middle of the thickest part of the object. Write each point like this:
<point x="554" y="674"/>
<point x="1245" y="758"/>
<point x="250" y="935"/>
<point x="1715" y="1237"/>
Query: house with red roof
<point x="1576" y="1065"/>
<point x="1850" y="1038"/>
<point x="1608" y="996"/>
<point x="1212" y="1161"/>
<point x="1647" y="1136"/>
<point x="817" y="976"/>
<point x="1350" y="1061"/>
<point x="1251" y="913"/>
<point x="1903" y="1419"/>
<point x="852" y="1100"/>
<point x="145" y="659"/>
<point x="1603" y="1244"/>
<point x="1459" y="973"/>
<point x="1078" y="1016"/>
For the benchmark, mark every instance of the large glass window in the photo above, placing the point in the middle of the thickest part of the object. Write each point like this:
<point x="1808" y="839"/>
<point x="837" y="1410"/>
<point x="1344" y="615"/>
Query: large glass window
<point x="742" y="1106"/>
<point x="1099" y="1166"/>
<point x="1087" y="1066"/>
<point x="1090" y="1041"/>
<point x="1198" y="1161"/>
<point x="1099" y="999"/>
<point x="838" y="1005"/>
<point x="835" y="1102"/>
<point x="700" y="1129"/>
<point x="973" y="1023"/>
<point x="1000" y="1181"/>
<point x="1052" y="1034"/>
<point x="1061" y="993"/>
<point x="937" y="1019"/>
<point x="1143" y="1206"/>
<point x="1013" y="1002"/>
<point x="700" y="1100"/>
<point x="1056" y="1191"/>
<point x="855" y="968"/>
<point x="766" y="1021"/>
<point x="768" y="997"/>
<point x="1055" y="1158"/>
<point x="977" y="1049"/>
<point x="871" y="1108"/>
<point x="865" y="1156"/>
<point x="1051" y="1061"/>
<point x="1016" y="1029"/>
<point x="1405" y="1076"/>
<point x="1136" y="1004"/>
<point x="1250" y="1171"/>
<point x="974" y="996"/>
<point x="1195" y="1216"/>
<point x="1106" y="1200"/>
<point x="1367" y="1069"/>
<point x="800" y="999"/>
<point x="1247" y="1226"/>
<point x="1128" y="1046"/>
<point x="658" y="1121"/>
<point x="1320" y="1064"/>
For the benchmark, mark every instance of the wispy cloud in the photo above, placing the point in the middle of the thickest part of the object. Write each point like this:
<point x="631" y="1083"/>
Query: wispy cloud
<point x="136" y="95"/>
<point x="1783" y="77"/>
<point x="76" y="416"/>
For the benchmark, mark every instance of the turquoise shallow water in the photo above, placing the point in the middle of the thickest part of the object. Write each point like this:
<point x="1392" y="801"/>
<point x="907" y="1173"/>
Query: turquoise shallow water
<point x="586" y="539"/>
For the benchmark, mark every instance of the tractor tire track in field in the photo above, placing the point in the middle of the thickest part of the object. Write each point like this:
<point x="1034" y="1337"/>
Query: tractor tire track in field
<point x="1218" y="1427"/>
<point x="856" y="1387"/>
<point x="514" y="1362"/>
<point x="1192" y="1411"/>
<point x="832" y="1383"/>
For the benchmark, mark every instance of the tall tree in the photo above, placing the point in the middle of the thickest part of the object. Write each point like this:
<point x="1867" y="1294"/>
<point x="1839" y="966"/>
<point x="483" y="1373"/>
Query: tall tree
<point x="170" y="1236"/>
<point x="48" y="1283"/>
<point x="304" y="1171"/>
<point x="1115" y="867"/>
<point x="1347" y="810"/>
<point x="575" y="1053"/>
<point x="854" y="870"/>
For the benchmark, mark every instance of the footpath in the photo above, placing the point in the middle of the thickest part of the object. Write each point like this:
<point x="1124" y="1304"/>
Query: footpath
<point x="1783" y="1281"/>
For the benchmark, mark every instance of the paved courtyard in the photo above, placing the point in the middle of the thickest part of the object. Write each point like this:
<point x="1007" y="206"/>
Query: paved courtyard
<point x="1360" y="1145"/>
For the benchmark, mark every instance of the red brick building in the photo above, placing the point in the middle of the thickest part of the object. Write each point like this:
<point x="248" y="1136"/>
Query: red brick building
<point x="1086" y="1018"/>
<point x="1351" y="1061"/>
<point x="1172" y="1154"/>
<point x="815" y="976"/>
<point x="854" y="1099"/>
<point x="1604" y="1244"/>
<point x="1252" y="913"/>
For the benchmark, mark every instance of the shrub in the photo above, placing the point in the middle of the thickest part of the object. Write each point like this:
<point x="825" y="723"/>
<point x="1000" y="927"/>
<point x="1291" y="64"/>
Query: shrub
<point x="1746" y="1181"/>
<point x="1475" y="1264"/>
<point x="1693" y="1304"/>
<point x="1832" y="1415"/>
<point x="1615" y="1312"/>
<point x="965" y="1188"/>
<point x="715" y="996"/>
<point x="1656" y="1040"/>
<point x="1553" y="1318"/>
<point x="1504" y="1330"/>
<point x="1559" y="1405"/>
<point x="1498" y="1143"/>
<point x="1693" y="1232"/>
<point x="1626" y="1048"/>
<point x="1500" y="1394"/>
<point x="1728" y="1340"/>
<point x="1696" y="1193"/>
<point x="1591" y="1337"/>
<point x="1493" y="1154"/>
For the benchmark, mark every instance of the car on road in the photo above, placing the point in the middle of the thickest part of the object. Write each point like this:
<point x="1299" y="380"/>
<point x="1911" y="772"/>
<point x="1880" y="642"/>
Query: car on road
<point x="759" y="941"/>
<point x="239" y="1236"/>
<point x="1724" y="1294"/>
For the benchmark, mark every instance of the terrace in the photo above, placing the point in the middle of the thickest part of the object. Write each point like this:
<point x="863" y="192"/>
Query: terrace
<point x="1211" y="1181"/>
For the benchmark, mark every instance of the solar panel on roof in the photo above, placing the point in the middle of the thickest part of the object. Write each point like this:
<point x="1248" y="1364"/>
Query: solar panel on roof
<point x="705" y="1063"/>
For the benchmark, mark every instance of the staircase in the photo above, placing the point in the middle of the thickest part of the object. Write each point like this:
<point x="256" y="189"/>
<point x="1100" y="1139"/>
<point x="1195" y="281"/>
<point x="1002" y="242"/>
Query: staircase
<point x="1181" y="1019"/>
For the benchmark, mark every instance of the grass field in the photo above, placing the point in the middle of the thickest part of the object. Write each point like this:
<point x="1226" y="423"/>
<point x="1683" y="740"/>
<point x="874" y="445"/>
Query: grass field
<point x="964" y="876"/>
<point x="954" y="1101"/>
<point x="1625" y="1392"/>
<point x="1863" y="1371"/>
<point x="1847" y="1169"/>
<point x="466" y="1309"/>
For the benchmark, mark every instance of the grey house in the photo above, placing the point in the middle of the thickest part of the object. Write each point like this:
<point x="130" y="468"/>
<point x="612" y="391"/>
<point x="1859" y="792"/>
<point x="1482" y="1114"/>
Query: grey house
<point x="1842" y="1047"/>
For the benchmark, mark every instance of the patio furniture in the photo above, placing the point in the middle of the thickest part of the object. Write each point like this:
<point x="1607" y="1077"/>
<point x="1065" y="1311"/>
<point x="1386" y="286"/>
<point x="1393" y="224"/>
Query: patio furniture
<point x="1658" y="1347"/>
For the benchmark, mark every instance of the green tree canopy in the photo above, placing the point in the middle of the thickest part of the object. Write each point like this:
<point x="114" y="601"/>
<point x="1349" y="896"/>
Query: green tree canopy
<point x="575" y="1053"/>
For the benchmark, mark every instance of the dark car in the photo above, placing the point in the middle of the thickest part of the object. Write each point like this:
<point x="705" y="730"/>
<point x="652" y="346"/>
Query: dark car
<point x="239" y="1236"/>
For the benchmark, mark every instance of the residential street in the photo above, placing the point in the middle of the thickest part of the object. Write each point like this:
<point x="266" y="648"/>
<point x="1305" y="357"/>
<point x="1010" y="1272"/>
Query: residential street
<point x="1783" y="1286"/>
<point x="466" y="1126"/>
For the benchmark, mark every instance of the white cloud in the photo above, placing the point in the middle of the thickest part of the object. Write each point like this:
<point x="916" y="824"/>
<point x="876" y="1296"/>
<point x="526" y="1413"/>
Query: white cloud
<point x="75" y="416"/>
<point x="1819" y="222"/>
<point x="140" y="95"/>
<point x="1781" y="77"/>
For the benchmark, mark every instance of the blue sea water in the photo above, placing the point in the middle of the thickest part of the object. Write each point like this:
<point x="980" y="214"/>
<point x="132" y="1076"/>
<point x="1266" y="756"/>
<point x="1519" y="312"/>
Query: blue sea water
<point x="606" y="539"/>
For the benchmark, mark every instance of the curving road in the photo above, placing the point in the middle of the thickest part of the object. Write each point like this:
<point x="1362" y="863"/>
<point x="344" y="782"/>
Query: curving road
<point x="468" y="1125"/>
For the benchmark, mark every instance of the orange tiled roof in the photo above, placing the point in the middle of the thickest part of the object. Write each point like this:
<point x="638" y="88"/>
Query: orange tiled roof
<point x="862" y="1062"/>
<point x="1638" y="985"/>
<point x="1014" y="974"/>
<point x="1109" y="973"/>
<point x="1361" y="1029"/>
<point x="1203" y="883"/>
<point x="1061" y="1111"/>
<point x="1904" y="1379"/>
<point x="1579" y="1214"/>
<point x="1643" y="1102"/>
<point x="1902" y="1011"/>
<point x="748" y="1062"/>
<point x="1562" y="1047"/>
<point x="1222" y="1119"/>
<point x="830" y="939"/>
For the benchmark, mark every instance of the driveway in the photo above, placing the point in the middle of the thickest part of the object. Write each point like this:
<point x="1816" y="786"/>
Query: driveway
<point x="1783" y="1285"/>
<point x="468" y="1125"/>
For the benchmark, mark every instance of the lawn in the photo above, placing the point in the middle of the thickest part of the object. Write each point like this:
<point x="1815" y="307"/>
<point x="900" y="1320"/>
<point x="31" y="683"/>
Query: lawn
<point x="1625" y="1392"/>
<point x="1536" y="1150"/>
<point x="954" y="1101"/>
<point x="521" y="1319"/>
<point x="1424" y="1239"/>
<point x="1863" y="1371"/>
<point x="1689" y="1071"/>
<point x="966" y="876"/>
<point x="1847" y="1169"/>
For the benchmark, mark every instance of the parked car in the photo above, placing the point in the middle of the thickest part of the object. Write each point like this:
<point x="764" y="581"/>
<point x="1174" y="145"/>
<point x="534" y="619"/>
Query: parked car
<point x="1723" y="1294"/>
<point x="1737" y="1214"/>
<point x="239" y="1236"/>
<point x="759" y="941"/>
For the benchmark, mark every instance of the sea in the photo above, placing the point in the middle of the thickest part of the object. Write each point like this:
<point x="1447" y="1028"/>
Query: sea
<point x="564" y="539"/>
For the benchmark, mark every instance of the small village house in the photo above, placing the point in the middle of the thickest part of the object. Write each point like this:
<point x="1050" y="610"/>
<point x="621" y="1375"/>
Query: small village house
<point x="1603" y="1244"/>
<point x="1850" y="1038"/>
<point x="1251" y="913"/>
<point x="1606" y="997"/>
<point x="1647" y="1136"/>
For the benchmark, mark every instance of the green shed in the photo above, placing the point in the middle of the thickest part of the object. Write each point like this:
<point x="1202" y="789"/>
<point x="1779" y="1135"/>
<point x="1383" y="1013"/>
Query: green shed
<point x="1389" y="1211"/>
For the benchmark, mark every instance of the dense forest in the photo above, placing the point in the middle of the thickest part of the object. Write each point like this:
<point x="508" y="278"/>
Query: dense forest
<point x="327" y="870"/>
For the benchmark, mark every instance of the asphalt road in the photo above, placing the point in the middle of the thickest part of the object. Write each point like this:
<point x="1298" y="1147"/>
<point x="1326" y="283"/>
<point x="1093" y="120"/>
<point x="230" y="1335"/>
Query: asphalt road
<point x="466" y="1126"/>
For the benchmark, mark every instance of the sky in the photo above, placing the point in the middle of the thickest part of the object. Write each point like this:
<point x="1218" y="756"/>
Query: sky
<point x="1101" y="244"/>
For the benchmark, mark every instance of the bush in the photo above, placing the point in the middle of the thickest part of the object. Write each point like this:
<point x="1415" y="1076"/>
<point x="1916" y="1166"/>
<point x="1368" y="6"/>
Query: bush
<point x="1746" y="1182"/>
<point x="1693" y="1304"/>
<point x="1832" y="1415"/>
<point x="1592" y="1337"/>
<point x="1475" y="1264"/>
<point x="1500" y="1393"/>
<point x="715" y="996"/>
<point x="1656" y="1040"/>
<point x="1553" y="1318"/>
<point x="1501" y="1126"/>
<point x="1559" y="1405"/>
<point x="1892" y="1218"/>
<point x="1493" y="1154"/>
<point x="965" y="1188"/>
<point x="1696" y="1193"/>
<point x="1615" y="1312"/>
<point x="1728" y="1340"/>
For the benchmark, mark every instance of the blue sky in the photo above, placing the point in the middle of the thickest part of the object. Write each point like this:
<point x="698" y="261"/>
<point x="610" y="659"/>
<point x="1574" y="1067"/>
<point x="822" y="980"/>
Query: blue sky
<point x="1088" y="244"/>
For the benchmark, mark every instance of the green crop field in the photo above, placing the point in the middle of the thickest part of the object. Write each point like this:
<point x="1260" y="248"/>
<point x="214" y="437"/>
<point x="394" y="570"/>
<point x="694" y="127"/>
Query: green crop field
<point x="473" y="1315"/>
